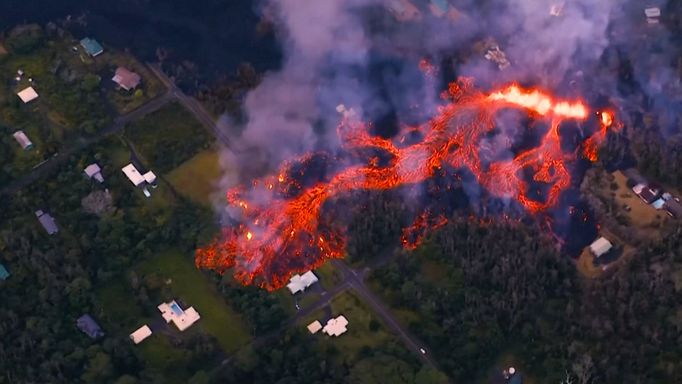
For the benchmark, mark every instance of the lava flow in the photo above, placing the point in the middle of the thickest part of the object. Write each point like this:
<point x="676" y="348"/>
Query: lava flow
<point x="279" y="230"/>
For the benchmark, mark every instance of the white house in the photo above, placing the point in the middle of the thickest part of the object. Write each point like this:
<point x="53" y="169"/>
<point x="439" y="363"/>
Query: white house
<point x="600" y="246"/>
<point x="182" y="319"/>
<point x="23" y="140"/>
<point x="336" y="327"/>
<point x="314" y="327"/>
<point x="28" y="94"/>
<point x="149" y="177"/>
<point x="133" y="174"/>
<point x="299" y="283"/>
<point x="93" y="171"/>
<point x="140" y="334"/>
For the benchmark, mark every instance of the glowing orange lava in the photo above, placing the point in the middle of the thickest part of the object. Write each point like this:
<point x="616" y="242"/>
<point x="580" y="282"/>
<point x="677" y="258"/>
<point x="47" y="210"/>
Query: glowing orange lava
<point x="280" y="230"/>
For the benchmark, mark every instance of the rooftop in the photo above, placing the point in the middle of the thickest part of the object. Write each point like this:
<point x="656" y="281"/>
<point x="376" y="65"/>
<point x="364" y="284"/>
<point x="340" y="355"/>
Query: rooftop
<point x="140" y="334"/>
<point x="91" y="46"/>
<point x="600" y="246"/>
<point x="23" y="140"/>
<point x="133" y="174"/>
<point x="93" y="171"/>
<point x="47" y="222"/>
<point x="299" y="283"/>
<point x="182" y="319"/>
<point x="126" y="79"/>
<point x="314" y="327"/>
<point x="28" y="94"/>
<point x="336" y="327"/>
<point x="88" y="325"/>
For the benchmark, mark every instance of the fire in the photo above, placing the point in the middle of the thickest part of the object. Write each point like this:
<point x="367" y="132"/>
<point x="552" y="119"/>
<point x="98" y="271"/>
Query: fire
<point x="293" y="238"/>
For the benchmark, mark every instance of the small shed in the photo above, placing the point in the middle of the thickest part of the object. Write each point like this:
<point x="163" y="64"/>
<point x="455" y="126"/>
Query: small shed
<point x="88" y="325"/>
<point x="27" y="94"/>
<point x="92" y="47"/>
<point x="4" y="274"/>
<point x="47" y="222"/>
<point x="314" y="327"/>
<point x="600" y="246"/>
<point x="23" y="140"/>
<point x="140" y="334"/>
<point x="126" y="79"/>
<point x="93" y="171"/>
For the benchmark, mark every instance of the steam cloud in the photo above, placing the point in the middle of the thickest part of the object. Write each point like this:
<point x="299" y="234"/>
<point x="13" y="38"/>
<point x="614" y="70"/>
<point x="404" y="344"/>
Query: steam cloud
<point x="332" y="48"/>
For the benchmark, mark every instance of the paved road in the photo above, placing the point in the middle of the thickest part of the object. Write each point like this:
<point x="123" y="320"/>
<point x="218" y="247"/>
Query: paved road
<point x="54" y="162"/>
<point x="356" y="280"/>
<point x="192" y="104"/>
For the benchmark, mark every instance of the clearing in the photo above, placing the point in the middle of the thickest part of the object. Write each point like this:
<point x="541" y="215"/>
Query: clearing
<point x="187" y="284"/>
<point x="197" y="177"/>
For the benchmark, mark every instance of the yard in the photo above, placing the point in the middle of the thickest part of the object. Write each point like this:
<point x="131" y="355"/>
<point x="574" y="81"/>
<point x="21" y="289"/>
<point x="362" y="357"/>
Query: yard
<point x="645" y="217"/>
<point x="187" y="284"/>
<point x="365" y="330"/>
<point x="197" y="177"/>
<point x="168" y="137"/>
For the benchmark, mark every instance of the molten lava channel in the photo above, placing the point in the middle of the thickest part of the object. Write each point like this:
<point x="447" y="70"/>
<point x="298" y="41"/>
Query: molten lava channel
<point x="277" y="234"/>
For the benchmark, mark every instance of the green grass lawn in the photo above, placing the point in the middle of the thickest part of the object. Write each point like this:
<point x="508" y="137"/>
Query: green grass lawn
<point x="196" y="177"/>
<point x="328" y="275"/>
<point x="190" y="286"/>
<point x="359" y="334"/>
<point x="168" y="137"/>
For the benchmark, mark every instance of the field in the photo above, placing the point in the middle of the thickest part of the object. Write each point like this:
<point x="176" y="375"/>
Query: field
<point x="360" y="334"/>
<point x="187" y="284"/>
<point x="645" y="217"/>
<point x="196" y="177"/>
<point x="168" y="137"/>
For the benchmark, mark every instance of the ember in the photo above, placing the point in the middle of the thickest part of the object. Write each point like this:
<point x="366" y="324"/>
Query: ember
<point x="280" y="232"/>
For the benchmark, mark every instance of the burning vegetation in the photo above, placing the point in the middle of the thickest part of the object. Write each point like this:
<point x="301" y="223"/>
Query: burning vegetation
<point x="279" y="227"/>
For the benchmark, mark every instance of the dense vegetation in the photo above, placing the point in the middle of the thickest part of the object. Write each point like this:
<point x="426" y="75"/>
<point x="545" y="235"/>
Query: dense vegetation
<point x="482" y="290"/>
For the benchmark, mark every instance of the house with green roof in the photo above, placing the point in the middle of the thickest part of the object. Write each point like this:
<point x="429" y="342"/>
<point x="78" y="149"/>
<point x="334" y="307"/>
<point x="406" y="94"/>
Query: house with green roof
<point x="91" y="46"/>
<point x="4" y="274"/>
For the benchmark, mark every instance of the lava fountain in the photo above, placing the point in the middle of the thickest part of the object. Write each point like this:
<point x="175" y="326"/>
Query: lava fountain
<point x="277" y="227"/>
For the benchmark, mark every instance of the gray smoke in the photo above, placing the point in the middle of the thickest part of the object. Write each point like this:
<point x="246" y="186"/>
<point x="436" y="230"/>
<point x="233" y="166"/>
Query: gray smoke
<point x="331" y="46"/>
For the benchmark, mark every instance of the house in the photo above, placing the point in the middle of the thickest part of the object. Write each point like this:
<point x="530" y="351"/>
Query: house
<point x="182" y="319"/>
<point x="91" y="46"/>
<point x="149" y="177"/>
<point x="299" y="283"/>
<point x="93" y="171"/>
<point x="314" y="327"/>
<point x="47" y="222"/>
<point x="23" y="140"/>
<point x="600" y="247"/>
<point x="336" y="327"/>
<point x="648" y="193"/>
<point x="140" y="334"/>
<point x="126" y="79"/>
<point x="133" y="174"/>
<point x="4" y="274"/>
<point x="497" y="56"/>
<point x="88" y="325"/>
<point x="27" y="94"/>
<point x="652" y="14"/>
